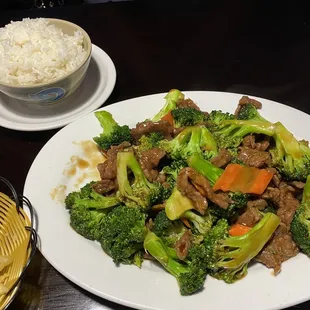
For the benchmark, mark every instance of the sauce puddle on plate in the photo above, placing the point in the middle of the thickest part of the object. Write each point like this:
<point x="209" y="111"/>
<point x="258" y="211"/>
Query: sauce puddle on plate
<point x="58" y="193"/>
<point x="81" y="168"/>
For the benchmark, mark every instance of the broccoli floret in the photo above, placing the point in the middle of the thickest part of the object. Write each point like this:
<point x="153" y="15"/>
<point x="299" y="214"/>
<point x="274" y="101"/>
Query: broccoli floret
<point x="249" y="112"/>
<point x="172" y="98"/>
<point x="89" y="199"/>
<point x="172" y="170"/>
<point x="165" y="191"/>
<point x="190" y="273"/>
<point x="300" y="226"/>
<point x="205" y="168"/>
<point x="183" y="117"/>
<point x="230" y="133"/>
<point x="290" y="157"/>
<point x="87" y="222"/>
<point x="169" y="231"/>
<point x="150" y="141"/>
<point x="190" y="141"/>
<point x="140" y="192"/>
<point x="70" y="199"/>
<point x="200" y="224"/>
<point x="239" y="201"/>
<point x="113" y="133"/>
<point x="87" y="208"/>
<point x="122" y="233"/>
<point x="87" y="190"/>
<point x="84" y="192"/>
<point x="228" y="257"/>
<point x="216" y="117"/>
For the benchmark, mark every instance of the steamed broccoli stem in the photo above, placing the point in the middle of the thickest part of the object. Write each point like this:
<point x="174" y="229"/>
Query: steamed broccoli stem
<point x="172" y="98"/>
<point x="287" y="141"/>
<point x="101" y="202"/>
<point x="169" y="231"/>
<point x="122" y="233"/>
<point x="141" y="192"/>
<point x="249" y="112"/>
<point x="113" y="133"/>
<point x="290" y="157"/>
<point x="248" y="245"/>
<point x="138" y="258"/>
<point x="300" y="226"/>
<point x="228" y="257"/>
<point x="205" y="168"/>
<point x="106" y="121"/>
<point x="184" y="117"/>
<point x="177" y="205"/>
<point x="190" y="274"/>
<point x="190" y="141"/>
<point x="240" y="128"/>
<point x="208" y="143"/>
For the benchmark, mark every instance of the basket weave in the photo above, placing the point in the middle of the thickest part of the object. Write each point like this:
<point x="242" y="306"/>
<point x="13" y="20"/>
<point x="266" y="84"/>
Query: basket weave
<point x="17" y="241"/>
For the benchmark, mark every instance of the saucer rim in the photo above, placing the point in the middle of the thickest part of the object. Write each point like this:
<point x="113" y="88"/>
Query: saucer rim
<point x="97" y="54"/>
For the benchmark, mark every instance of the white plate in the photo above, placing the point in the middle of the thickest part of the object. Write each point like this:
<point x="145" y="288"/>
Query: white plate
<point x="92" y="93"/>
<point x="83" y="261"/>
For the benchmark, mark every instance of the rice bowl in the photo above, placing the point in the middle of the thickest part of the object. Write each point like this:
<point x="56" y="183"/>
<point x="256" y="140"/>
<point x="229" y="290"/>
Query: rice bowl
<point x="52" y="65"/>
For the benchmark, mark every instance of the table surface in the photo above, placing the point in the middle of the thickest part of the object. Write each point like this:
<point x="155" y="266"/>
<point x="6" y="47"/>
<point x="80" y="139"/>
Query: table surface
<point x="252" y="47"/>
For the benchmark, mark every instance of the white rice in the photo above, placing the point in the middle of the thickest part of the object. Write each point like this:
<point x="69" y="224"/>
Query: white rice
<point x="32" y="51"/>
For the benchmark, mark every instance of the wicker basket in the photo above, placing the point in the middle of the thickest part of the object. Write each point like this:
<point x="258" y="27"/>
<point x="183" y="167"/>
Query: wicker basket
<point x="18" y="241"/>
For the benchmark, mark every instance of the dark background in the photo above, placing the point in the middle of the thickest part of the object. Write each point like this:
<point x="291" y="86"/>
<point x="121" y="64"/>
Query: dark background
<point x="28" y="4"/>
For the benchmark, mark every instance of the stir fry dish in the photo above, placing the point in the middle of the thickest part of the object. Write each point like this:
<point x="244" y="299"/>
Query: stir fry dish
<point x="203" y="193"/>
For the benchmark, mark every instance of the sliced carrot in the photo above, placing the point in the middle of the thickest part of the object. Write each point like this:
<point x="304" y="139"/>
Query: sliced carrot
<point x="168" y="117"/>
<point x="263" y="177"/>
<point x="227" y="178"/>
<point x="238" y="230"/>
<point x="186" y="222"/>
<point x="237" y="178"/>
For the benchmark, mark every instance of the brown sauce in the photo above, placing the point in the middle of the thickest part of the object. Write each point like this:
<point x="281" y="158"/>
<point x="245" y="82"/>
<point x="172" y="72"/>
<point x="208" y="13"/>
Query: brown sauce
<point x="58" y="193"/>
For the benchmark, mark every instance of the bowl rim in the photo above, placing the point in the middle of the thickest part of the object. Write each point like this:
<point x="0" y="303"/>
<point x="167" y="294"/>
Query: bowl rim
<point x="87" y="38"/>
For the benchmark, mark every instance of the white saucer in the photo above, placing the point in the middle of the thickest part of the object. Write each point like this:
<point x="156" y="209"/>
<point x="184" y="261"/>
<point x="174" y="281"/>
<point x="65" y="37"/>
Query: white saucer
<point x="92" y="93"/>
